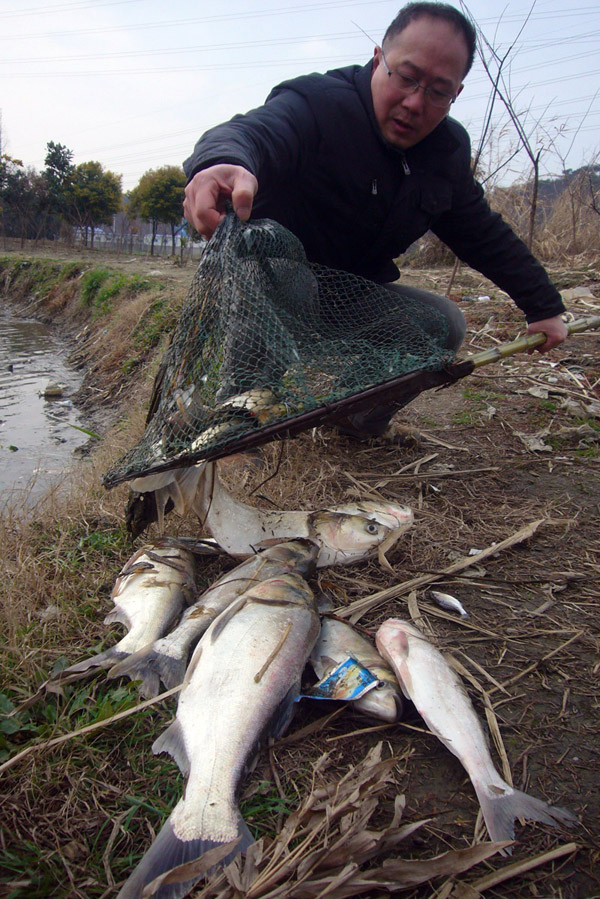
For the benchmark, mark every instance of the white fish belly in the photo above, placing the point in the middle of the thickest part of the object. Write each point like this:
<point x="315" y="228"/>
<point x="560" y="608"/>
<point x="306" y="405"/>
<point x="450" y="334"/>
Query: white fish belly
<point x="227" y="705"/>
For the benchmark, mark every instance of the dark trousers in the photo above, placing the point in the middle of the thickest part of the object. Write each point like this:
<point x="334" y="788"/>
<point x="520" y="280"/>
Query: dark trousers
<point x="373" y="422"/>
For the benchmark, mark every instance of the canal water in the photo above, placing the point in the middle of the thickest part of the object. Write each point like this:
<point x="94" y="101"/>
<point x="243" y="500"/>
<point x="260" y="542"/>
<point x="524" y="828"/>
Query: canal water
<point x="37" y="437"/>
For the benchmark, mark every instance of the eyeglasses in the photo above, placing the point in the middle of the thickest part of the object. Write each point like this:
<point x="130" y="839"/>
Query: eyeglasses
<point x="406" y="85"/>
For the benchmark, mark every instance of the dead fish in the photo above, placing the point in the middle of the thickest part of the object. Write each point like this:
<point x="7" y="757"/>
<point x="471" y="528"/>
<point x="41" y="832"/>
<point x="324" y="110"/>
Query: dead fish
<point x="345" y="533"/>
<point x="442" y="701"/>
<point x="338" y="641"/>
<point x="166" y="659"/>
<point x="239" y="688"/>
<point x="152" y="496"/>
<point x="149" y="595"/>
<point x="259" y="405"/>
<point x="449" y="602"/>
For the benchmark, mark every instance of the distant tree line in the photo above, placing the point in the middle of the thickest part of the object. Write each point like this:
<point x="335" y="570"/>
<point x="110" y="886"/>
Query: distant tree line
<point x="64" y="199"/>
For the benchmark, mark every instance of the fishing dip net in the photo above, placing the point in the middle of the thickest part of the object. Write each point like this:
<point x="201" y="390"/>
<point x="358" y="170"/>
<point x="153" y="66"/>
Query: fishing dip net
<point x="269" y="344"/>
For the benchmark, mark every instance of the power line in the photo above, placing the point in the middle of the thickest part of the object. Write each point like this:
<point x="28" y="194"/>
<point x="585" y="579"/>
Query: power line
<point x="202" y="20"/>
<point x="531" y="46"/>
<point x="329" y="4"/>
<point x="69" y="7"/>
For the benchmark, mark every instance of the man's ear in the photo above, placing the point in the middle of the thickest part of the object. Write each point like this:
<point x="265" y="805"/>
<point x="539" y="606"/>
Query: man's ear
<point x="376" y="57"/>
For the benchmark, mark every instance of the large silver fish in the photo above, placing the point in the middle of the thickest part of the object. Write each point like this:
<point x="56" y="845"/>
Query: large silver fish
<point x="239" y="687"/>
<point x="339" y="641"/>
<point x="345" y="534"/>
<point x="166" y="659"/>
<point x="442" y="701"/>
<point x="149" y="594"/>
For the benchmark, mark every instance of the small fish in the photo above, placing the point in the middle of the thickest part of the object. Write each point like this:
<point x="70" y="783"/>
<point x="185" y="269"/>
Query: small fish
<point x="166" y="659"/>
<point x="149" y="595"/>
<point x="442" y="701"/>
<point x="449" y="602"/>
<point x="338" y="641"/>
<point x="239" y="688"/>
<point x="345" y="534"/>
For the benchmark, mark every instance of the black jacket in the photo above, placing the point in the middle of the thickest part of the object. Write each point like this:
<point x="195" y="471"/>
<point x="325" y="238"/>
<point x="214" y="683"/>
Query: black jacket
<point x="355" y="202"/>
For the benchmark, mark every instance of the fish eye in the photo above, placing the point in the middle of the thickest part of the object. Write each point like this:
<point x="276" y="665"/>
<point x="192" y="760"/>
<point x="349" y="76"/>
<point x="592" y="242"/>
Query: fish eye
<point x="372" y="527"/>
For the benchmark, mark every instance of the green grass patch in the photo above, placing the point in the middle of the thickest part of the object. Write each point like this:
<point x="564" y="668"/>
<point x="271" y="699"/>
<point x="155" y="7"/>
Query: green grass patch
<point x="25" y="278"/>
<point x="100" y="286"/>
<point x="70" y="271"/>
<point x="160" y="319"/>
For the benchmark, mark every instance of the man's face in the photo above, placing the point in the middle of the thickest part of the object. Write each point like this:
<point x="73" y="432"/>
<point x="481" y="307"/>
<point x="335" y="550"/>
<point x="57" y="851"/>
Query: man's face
<point x="431" y="52"/>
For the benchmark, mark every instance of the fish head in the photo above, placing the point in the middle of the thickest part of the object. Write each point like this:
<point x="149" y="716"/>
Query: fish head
<point x="392" y="515"/>
<point x="393" y="644"/>
<point x="392" y="635"/>
<point x="383" y="702"/>
<point x="344" y="538"/>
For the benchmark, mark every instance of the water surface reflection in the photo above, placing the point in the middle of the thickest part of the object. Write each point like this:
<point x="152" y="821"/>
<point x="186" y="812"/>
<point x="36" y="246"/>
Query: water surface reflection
<point x="36" y="434"/>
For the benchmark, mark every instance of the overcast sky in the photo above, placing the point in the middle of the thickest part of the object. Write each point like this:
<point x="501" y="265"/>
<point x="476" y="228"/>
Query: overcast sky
<point x="133" y="83"/>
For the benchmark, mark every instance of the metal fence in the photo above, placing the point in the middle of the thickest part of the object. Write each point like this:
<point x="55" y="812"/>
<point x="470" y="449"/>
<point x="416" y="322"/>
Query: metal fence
<point x="138" y="245"/>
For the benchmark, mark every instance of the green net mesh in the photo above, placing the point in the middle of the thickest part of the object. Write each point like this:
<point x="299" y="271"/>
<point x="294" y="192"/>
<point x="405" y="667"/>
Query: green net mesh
<point x="266" y="341"/>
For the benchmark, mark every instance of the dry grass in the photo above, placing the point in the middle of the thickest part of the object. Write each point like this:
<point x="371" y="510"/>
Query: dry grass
<point x="77" y="816"/>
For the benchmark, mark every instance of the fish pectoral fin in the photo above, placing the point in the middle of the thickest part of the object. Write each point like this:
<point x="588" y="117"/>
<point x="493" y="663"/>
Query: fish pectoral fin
<point x="270" y="541"/>
<point x="285" y="712"/>
<point x="225" y="617"/>
<point x="172" y="742"/>
<point x="383" y="547"/>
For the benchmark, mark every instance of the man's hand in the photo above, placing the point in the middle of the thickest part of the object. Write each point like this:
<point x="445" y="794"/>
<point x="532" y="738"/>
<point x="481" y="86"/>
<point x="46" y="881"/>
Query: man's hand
<point x="205" y="196"/>
<point x="554" y="329"/>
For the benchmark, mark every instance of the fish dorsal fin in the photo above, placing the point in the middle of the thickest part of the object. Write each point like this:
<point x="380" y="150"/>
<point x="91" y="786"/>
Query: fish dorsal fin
<point x="171" y="741"/>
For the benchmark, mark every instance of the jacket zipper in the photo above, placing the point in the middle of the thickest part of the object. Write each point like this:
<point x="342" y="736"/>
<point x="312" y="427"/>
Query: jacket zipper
<point x="405" y="168"/>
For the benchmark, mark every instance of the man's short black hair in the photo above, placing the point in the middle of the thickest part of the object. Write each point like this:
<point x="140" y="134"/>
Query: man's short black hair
<point x="413" y="11"/>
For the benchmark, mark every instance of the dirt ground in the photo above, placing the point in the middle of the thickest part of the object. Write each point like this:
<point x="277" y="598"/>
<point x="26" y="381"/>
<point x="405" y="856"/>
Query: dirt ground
<point x="515" y="444"/>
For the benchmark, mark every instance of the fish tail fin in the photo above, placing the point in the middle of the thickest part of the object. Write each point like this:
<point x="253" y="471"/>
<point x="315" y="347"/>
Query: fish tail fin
<point x="87" y="667"/>
<point x="170" y="670"/>
<point x="169" y="852"/>
<point x="501" y="810"/>
<point x="138" y="666"/>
